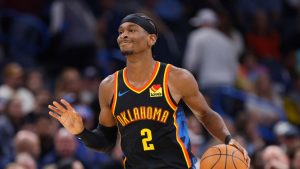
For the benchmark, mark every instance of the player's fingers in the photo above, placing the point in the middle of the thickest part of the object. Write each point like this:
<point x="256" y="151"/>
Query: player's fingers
<point x="59" y="106"/>
<point x="245" y="153"/>
<point x="246" y="156"/>
<point x="55" y="115"/>
<point x="249" y="162"/>
<point x="242" y="150"/>
<point x="67" y="104"/>
<point x="236" y="145"/>
<point x="55" y="109"/>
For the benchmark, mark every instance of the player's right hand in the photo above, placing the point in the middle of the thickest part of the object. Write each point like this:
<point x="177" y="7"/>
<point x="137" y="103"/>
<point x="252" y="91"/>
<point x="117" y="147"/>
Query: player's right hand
<point x="237" y="145"/>
<point x="67" y="116"/>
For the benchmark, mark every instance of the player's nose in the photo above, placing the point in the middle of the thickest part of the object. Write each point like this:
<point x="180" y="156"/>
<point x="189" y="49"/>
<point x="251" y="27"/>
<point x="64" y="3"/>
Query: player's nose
<point x="124" y="35"/>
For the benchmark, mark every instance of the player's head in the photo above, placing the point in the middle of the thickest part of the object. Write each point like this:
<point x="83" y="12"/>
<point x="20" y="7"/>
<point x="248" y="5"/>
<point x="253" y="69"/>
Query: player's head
<point x="137" y="33"/>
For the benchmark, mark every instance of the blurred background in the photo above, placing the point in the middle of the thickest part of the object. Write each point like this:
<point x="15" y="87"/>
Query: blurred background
<point x="245" y="55"/>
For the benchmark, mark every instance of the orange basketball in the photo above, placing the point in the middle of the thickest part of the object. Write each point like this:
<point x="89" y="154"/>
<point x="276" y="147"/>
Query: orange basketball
<point x="223" y="156"/>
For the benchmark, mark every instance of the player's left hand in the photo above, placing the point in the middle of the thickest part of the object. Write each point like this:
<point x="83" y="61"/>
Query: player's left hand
<point x="237" y="145"/>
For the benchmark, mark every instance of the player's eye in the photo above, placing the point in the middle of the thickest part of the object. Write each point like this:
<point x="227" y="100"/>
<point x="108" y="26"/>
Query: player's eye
<point x="131" y="30"/>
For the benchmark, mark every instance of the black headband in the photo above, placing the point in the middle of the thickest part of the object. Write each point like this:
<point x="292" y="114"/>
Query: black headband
<point x="144" y="22"/>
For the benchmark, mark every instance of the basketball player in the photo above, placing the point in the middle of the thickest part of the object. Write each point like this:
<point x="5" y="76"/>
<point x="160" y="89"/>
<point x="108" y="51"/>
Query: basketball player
<point x="141" y="102"/>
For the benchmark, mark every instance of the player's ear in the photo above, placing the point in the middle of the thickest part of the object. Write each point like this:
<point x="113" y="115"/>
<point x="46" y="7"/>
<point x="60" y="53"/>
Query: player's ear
<point x="152" y="39"/>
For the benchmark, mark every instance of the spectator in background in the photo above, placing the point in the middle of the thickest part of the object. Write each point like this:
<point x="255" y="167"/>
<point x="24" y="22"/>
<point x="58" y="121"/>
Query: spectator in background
<point x="275" y="158"/>
<point x="263" y="38"/>
<point x="90" y="81"/>
<point x="26" y="160"/>
<point x="46" y="128"/>
<point x="67" y="147"/>
<point x="64" y="147"/>
<point x="288" y="136"/>
<point x="227" y="27"/>
<point x="69" y="163"/>
<point x="89" y="94"/>
<point x="212" y="56"/>
<point x="69" y="86"/>
<point x="14" y="166"/>
<point x="245" y="10"/>
<point x="256" y="160"/>
<point x="35" y="81"/>
<point x="287" y="71"/>
<point x="248" y="72"/>
<point x="43" y="97"/>
<point x="214" y="67"/>
<point x="265" y="107"/>
<point x="11" y="122"/>
<point x="72" y="27"/>
<point x="247" y="126"/>
<point x="264" y="91"/>
<point x="27" y="142"/>
<point x="13" y="86"/>
<point x="26" y="149"/>
<point x="291" y="103"/>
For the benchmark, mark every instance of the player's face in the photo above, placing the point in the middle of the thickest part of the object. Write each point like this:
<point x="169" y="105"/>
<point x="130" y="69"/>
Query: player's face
<point x="132" y="39"/>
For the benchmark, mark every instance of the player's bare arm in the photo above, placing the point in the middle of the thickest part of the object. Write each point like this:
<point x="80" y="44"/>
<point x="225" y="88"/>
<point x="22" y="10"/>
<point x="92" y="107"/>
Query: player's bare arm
<point x="106" y="90"/>
<point x="183" y="86"/>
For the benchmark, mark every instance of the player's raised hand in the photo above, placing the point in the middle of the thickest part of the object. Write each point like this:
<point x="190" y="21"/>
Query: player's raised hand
<point x="237" y="145"/>
<point x="67" y="116"/>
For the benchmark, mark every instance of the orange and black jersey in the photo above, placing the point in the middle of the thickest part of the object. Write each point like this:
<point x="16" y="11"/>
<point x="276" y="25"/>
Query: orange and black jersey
<point x="152" y="126"/>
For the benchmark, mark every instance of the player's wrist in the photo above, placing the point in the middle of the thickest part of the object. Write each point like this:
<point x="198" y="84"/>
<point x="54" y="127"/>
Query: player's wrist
<point x="82" y="133"/>
<point x="227" y="140"/>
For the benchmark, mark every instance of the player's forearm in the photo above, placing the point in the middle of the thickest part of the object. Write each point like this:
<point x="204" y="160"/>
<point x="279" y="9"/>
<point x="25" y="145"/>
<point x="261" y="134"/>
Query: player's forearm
<point x="101" y="139"/>
<point x="214" y="123"/>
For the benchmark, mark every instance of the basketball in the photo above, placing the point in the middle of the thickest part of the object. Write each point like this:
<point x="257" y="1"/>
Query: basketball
<point x="223" y="156"/>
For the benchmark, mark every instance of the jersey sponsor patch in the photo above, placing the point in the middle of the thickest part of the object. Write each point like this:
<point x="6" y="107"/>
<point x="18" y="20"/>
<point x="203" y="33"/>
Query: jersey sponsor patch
<point x="156" y="90"/>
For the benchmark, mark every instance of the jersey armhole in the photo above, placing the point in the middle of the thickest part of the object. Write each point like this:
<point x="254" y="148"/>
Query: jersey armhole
<point x="115" y="95"/>
<point x="167" y="94"/>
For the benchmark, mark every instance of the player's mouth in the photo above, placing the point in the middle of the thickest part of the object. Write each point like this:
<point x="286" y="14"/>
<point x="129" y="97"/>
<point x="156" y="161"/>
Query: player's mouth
<point x="125" y="41"/>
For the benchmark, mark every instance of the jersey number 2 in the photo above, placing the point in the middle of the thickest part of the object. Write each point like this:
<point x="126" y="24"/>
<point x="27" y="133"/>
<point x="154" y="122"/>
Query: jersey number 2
<point x="147" y="146"/>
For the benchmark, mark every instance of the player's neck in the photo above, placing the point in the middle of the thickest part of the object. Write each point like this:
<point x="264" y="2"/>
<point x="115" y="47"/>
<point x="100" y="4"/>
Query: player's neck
<point x="139" y="71"/>
<point x="140" y="63"/>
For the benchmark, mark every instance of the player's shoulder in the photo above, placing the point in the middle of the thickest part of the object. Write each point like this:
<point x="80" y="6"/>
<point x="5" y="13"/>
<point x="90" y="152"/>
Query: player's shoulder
<point x="178" y="73"/>
<point x="182" y="81"/>
<point x="106" y="88"/>
<point x="108" y="82"/>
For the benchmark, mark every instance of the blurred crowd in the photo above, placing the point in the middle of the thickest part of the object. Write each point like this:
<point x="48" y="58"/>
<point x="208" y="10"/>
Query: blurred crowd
<point x="245" y="55"/>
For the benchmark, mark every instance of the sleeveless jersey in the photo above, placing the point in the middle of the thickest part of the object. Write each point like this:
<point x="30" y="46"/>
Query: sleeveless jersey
<point x="152" y="126"/>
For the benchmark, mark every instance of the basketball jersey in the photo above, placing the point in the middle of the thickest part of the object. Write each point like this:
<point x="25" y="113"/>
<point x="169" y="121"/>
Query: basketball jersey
<point x="152" y="126"/>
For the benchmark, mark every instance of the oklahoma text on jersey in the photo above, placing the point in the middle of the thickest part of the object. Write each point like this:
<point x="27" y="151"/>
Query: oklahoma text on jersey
<point x="142" y="113"/>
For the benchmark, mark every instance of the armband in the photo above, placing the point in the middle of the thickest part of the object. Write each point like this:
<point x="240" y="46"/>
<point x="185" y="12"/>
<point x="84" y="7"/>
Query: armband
<point x="102" y="138"/>
<point x="227" y="139"/>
